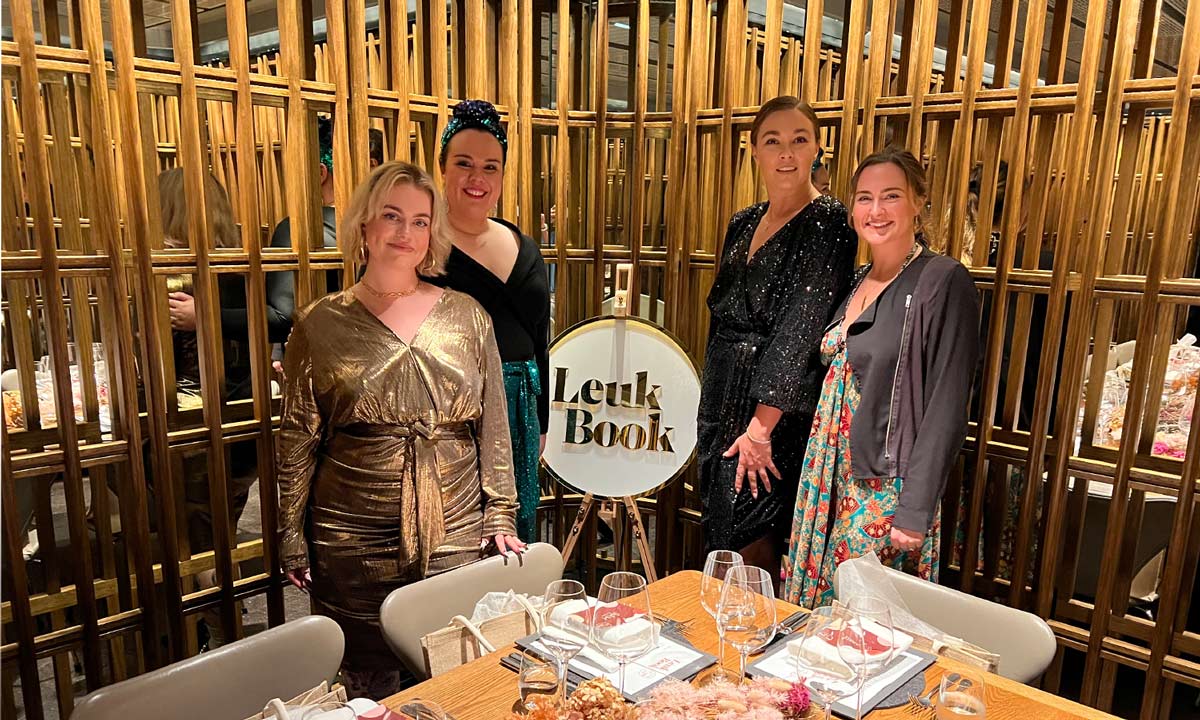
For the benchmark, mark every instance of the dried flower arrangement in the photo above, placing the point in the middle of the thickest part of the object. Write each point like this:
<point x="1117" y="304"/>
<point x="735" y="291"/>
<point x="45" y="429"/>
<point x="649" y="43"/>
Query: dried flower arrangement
<point x="760" y="699"/>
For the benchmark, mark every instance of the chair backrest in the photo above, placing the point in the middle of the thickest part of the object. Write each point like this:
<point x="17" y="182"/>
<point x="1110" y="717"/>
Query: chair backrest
<point x="1024" y="642"/>
<point x="232" y="682"/>
<point x="413" y="611"/>
<point x="1152" y="538"/>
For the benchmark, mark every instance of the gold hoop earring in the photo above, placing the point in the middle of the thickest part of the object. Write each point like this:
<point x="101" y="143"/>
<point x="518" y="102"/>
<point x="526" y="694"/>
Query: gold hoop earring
<point x="362" y="255"/>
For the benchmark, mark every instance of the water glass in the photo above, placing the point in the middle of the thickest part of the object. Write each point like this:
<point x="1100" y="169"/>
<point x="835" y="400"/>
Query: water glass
<point x="962" y="696"/>
<point x="537" y="682"/>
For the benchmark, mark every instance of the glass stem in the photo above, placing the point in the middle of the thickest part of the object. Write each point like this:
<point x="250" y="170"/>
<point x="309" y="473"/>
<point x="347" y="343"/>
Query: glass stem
<point x="562" y="680"/>
<point x="741" y="667"/>
<point x="858" y="698"/>
<point x="721" y="651"/>
<point x="621" y="681"/>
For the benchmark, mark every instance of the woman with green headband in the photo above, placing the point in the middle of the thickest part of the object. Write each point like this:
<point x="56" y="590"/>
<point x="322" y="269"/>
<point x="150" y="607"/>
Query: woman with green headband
<point x="493" y="262"/>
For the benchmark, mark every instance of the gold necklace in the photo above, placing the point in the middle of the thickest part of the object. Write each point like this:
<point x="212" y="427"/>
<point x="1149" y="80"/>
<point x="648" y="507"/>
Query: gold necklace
<point x="390" y="294"/>
<point x="912" y="252"/>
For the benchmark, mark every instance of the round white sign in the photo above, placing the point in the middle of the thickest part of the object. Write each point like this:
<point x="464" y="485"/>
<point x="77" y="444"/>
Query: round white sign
<point x="623" y="400"/>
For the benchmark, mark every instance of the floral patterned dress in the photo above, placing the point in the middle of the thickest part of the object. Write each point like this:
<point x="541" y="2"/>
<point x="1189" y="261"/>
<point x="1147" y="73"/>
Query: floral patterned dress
<point x="838" y="516"/>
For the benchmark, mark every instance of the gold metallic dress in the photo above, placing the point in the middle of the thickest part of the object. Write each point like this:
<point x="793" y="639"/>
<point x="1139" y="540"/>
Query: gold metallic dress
<point x="394" y="457"/>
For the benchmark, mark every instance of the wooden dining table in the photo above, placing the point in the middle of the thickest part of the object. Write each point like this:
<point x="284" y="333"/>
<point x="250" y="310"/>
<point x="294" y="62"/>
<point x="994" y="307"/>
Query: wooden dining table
<point x="485" y="690"/>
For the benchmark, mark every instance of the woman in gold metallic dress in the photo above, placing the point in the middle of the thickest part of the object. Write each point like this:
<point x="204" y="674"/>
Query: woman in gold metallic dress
<point x="394" y="455"/>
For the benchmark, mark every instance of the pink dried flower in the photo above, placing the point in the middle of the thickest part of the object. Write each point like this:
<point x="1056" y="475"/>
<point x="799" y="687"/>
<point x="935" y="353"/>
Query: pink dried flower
<point x="797" y="702"/>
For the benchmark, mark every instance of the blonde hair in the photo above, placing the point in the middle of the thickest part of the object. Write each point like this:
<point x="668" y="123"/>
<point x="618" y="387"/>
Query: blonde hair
<point x="367" y="202"/>
<point x="172" y="202"/>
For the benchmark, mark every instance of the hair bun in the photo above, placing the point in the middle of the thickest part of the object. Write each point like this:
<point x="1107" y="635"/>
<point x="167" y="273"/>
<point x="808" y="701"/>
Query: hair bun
<point x="477" y="110"/>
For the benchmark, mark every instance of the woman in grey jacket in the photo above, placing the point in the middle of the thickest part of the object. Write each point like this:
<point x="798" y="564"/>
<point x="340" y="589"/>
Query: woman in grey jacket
<point x="901" y="354"/>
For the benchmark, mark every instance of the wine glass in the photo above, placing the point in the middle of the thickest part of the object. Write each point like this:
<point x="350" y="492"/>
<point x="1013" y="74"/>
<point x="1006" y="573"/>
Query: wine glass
<point x="819" y="665"/>
<point x="716" y="567"/>
<point x="563" y="599"/>
<point x="746" y="613"/>
<point x="867" y="640"/>
<point x="622" y="625"/>
<point x="961" y="695"/>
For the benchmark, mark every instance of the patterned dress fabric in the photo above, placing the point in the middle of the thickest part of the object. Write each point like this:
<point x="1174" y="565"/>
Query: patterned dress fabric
<point x="837" y="516"/>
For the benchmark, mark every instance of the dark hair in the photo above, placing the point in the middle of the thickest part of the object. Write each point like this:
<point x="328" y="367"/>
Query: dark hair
<point x="375" y="141"/>
<point x="474" y="115"/>
<point x="778" y="104"/>
<point x="914" y="177"/>
<point x="325" y="142"/>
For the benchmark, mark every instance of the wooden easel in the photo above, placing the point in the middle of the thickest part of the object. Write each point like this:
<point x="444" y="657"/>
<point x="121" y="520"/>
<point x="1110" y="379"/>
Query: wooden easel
<point x="608" y="506"/>
<point x="608" y="509"/>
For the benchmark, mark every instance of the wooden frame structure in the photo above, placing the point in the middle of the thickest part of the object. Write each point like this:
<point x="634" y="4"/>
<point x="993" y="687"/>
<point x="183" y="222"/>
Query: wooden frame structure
<point x="1088" y="179"/>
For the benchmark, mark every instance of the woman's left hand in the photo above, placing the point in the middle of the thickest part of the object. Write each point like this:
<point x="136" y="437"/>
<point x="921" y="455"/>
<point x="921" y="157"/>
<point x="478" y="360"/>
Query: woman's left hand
<point x="541" y="444"/>
<point x="183" y="311"/>
<point x="906" y="540"/>
<point x="504" y="543"/>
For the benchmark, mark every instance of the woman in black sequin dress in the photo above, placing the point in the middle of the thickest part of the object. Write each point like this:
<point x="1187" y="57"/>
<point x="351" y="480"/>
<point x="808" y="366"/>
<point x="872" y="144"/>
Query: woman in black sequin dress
<point x="785" y="265"/>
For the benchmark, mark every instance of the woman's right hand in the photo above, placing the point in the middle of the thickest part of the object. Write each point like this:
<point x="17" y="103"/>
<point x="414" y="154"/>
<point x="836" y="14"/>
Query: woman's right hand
<point x="301" y="578"/>
<point x="755" y="464"/>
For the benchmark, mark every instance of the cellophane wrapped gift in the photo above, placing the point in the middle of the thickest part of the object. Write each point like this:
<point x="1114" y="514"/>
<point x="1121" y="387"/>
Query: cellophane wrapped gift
<point x="1177" y="400"/>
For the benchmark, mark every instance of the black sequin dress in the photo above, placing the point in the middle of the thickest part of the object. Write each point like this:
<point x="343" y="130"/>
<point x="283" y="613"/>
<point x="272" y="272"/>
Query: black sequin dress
<point x="768" y="315"/>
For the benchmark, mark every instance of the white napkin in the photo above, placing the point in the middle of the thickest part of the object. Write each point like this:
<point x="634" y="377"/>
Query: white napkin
<point x="902" y="641"/>
<point x="564" y="616"/>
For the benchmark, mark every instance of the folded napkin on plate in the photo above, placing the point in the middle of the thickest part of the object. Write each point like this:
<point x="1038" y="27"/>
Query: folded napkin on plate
<point x="569" y="617"/>
<point x="826" y="641"/>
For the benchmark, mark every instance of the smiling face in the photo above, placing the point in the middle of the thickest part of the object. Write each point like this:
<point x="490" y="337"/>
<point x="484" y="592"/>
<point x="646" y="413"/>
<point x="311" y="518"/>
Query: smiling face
<point x="885" y="207"/>
<point x="785" y="150"/>
<point x="399" y="235"/>
<point x="474" y="173"/>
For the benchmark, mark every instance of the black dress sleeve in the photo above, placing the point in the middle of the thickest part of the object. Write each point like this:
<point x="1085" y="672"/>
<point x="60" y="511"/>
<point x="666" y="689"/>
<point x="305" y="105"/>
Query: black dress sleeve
<point x="784" y="377"/>
<point x="281" y="289"/>
<point x="234" y="323"/>
<point x="541" y="342"/>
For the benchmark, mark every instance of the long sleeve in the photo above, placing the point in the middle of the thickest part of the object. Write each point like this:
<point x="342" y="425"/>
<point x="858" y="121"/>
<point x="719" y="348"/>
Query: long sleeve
<point x="496" y="481"/>
<point x="783" y="377"/>
<point x="300" y="430"/>
<point x="234" y="324"/>
<point x="950" y="354"/>
<point x="281" y="289"/>
<point x="541" y="351"/>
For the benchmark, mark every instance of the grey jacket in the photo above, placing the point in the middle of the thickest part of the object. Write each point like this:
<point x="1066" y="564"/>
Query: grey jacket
<point x="914" y="353"/>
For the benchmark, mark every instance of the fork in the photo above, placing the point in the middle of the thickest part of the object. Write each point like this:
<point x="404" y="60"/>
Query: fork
<point x="683" y="627"/>
<point x="924" y="703"/>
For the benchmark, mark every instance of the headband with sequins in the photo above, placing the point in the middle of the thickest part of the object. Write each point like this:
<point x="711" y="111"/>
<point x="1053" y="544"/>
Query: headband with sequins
<point x="475" y="115"/>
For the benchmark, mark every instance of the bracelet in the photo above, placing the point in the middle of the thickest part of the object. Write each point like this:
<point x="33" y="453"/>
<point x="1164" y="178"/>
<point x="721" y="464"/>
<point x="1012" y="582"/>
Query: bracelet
<point x="757" y="441"/>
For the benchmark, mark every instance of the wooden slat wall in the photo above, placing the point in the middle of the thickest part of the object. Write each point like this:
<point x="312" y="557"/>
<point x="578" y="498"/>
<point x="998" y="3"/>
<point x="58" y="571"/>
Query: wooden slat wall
<point x="1100" y="174"/>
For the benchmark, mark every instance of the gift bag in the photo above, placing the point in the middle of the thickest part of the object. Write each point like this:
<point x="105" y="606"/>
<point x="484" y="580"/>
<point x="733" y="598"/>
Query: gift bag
<point x="321" y="698"/>
<point x="464" y="640"/>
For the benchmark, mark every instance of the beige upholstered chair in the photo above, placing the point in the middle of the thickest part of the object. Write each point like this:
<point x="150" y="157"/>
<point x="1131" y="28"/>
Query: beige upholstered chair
<point x="232" y="682"/>
<point x="1023" y="641"/>
<point x="413" y="611"/>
